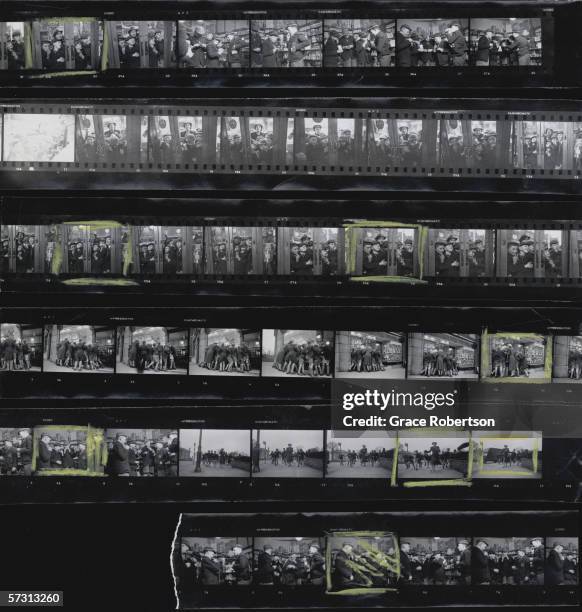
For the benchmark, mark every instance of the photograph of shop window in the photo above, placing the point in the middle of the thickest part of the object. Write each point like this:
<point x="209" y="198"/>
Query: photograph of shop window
<point x="436" y="43"/>
<point x="359" y="456"/>
<point x="311" y="251"/>
<point x="20" y="347"/>
<point x="29" y="249"/>
<point x="110" y="139"/>
<point x="443" y="356"/>
<point x="500" y="455"/>
<point x="544" y="145"/>
<point x="12" y="45"/>
<point x="519" y="357"/>
<point x="567" y="359"/>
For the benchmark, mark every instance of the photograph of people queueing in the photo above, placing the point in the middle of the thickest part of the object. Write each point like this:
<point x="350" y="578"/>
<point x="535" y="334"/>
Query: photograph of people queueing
<point x="282" y="43"/>
<point x="430" y="458"/>
<point x="506" y="41"/>
<point x="89" y="349"/>
<point x="141" y="44"/>
<point x="508" y="561"/>
<point x="515" y="356"/>
<point x="369" y="456"/>
<point x="435" y="561"/>
<point x="437" y="43"/>
<point x="311" y="251"/>
<point x="360" y="561"/>
<point x="370" y="354"/>
<point x="225" y="352"/>
<point x="20" y="347"/>
<point x="460" y="253"/>
<point x="141" y="452"/>
<point x="12" y="45"/>
<point x="561" y="561"/>
<point x="567" y="359"/>
<point x="288" y="561"/>
<point x="58" y="449"/>
<point x="443" y="356"/>
<point x="287" y="453"/>
<point x="29" y="249"/>
<point x="499" y="456"/>
<point x="15" y="451"/>
<point x="298" y="352"/>
<point x="211" y="44"/>
<point x="359" y="43"/>
<point x="543" y="145"/>
<point x="215" y="453"/>
<point x="152" y="350"/>
<point x="220" y="561"/>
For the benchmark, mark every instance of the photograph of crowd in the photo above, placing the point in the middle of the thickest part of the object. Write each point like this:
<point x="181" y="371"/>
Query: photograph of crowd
<point x="562" y="561"/>
<point x="443" y="356"/>
<point x="15" y="451"/>
<point x="152" y="350"/>
<point x="497" y="455"/>
<point x="141" y="452"/>
<point x="321" y="142"/>
<point x="311" y="251"/>
<point x="543" y="145"/>
<point x="515" y="356"/>
<point x="175" y="140"/>
<point x="432" y="458"/>
<point x="215" y="453"/>
<point x="20" y="347"/>
<point x="359" y="43"/>
<point x="459" y="253"/>
<point x="211" y="44"/>
<point x="506" y="41"/>
<point x="386" y="251"/>
<point x="288" y="561"/>
<point x="141" y="44"/>
<point x="287" y="453"/>
<point x="515" y="561"/>
<point x="79" y="348"/>
<point x="439" y="43"/>
<point x="283" y="43"/>
<point x="370" y="456"/>
<point x="219" y="561"/>
<point x="567" y="359"/>
<point x="58" y="449"/>
<point x="113" y="139"/>
<point x="290" y="352"/>
<point x="529" y="253"/>
<point x="435" y="561"/>
<point x="225" y="352"/>
<point x="12" y="45"/>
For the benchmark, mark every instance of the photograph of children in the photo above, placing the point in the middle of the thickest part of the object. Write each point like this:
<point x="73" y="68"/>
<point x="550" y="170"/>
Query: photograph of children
<point x="89" y="249"/>
<point x="20" y="347"/>
<point x="484" y="141"/>
<point x="281" y="43"/>
<point x="364" y="354"/>
<point x="287" y="453"/>
<point x="443" y="356"/>
<point x="529" y="253"/>
<point x="67" y="450"/>
<point x="35" y="137"/>
<point x="15" y="451"/>
<point x="311" y="251"/>
<point x="561" y="567"/>
<point x="141" y="452"/>
<point x="516" y="357"/>
<point x="213" y="44"/>
<point x="515" y="561"/>
<point x="354" y="456"/>
<point x="433" y="458"/>
<point x="225" y="352"/>
<point x="113" y="139"/>
<point x="438" y="43"/>
<point x="293" y="352"/>
<point x="359" y="43"/>
<point x="215" y="453"/>
<point x="500" y="455"/>
<point x="175" y="140"/>
<point x="161" y="249"/>
<point x="219" y="561"/>
<point x="567" y="359"/>
<point x="542" y="145"/>
<point x="12" y="45"/>
<point x="321" y="142"/>
<point x="22" y="247"/>
<point x="141" y="44"/>
<point x="387" y="251"/>
<point x="261" y="141"/>
<point x="152" y="350"/>
<point x="288" y="561"/>
<point x="435" y="560"/>
<point x="361" y="560"/>
<point x="506" y="41"/>
<point x="460" y="253"/>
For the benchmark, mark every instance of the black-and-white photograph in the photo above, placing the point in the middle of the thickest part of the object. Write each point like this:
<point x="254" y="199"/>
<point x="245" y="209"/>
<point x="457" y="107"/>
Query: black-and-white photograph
<point x="141" y="452"/>
<point x="141" y="44"/>
<point x="567" y="359"/>
<point x="284" y="43"/>
<point x="506" y="41"/>
<point x="516" y="356"/>
<point x="490" y="144"/>
<point x="508" y="561"/>
<point x="12" y="45"/>
<point x="216" y="43"/>
<point x="89" y="349"/>
<point x="60" y="449"/>
<point x="370" y="354"/>
<point x="575" y="248"/>
<point x="29" y="249"/>
<point x="435" y="560"/>
<point x="152" y="350"/>
<point x="215" y="453"/>
<point x="499" y="456"/>
<point x="531" y="253"/>
<point x="562" y="561"/>
<point x="176" y="140"/>
<point x="297" y="352"/>
<point x="111" y="139"/>
<point x="289" y="561"/>
<point x="320" y="142"/>
<point x="311" y="251"/>
<point x="20" y="347"/>
<point x="353" y="456"/>
<point x="225" y="352"/>
<point x="543" y="145"/>
<point x="89" y="249"/>
<point x="16" y="451"/>
<point x="217" y="561"/>
<point x="460" y="253"/>
<point x="359" y="43"/>
<point x="436" y="43"/>
<point x="431" y="458"/>
<point x="287" y="453"/>
<point x="443" y="356"/>
<point x="386" y="251"/>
